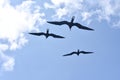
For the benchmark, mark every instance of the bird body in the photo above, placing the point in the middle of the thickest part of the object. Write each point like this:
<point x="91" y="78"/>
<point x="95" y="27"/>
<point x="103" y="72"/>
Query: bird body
<point x="70" y="24"/>
<point x="77" y="53"/>
<point x="47" y="34"/>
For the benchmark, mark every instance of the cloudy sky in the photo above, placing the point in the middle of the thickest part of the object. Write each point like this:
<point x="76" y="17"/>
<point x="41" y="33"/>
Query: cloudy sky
<point x="27" y="57"/>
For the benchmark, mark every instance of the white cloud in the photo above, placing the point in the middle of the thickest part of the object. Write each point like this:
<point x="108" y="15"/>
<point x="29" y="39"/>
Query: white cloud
<point x="7" y="62"/>
<point x="116" y="25"/>
<point x="25" y="17"/>
<point x="64" y="7"/>
<point x="14" y="23"/>
<point x="3" y="47"/>
<point x="88" y="10"/>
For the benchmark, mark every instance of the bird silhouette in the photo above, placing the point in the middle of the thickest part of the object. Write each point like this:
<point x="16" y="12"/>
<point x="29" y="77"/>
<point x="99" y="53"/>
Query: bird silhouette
<point x="77" y="53"/>
<point x="47" y="34"/>
<point x="70" y="24"/>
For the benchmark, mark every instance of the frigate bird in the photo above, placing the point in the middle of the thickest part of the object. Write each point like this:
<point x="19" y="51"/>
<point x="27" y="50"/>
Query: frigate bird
<point x="70" y="24"/>
<point x="47" y="34"/>
<point x="77" y="53"/>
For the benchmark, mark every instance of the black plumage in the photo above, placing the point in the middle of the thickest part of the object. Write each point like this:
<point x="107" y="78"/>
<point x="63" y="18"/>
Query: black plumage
<point x="70" y="24"/>
<point x="47" y="34"/>
<point x="77" y="53"/>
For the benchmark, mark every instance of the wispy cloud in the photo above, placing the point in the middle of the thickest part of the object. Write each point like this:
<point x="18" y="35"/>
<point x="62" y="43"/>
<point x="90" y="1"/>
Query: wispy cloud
<point x="14" y="23"/>
<point x="116" y="24"/>
<point x="87" y="10"/>
<point x="64" y="7"/>
<point x="7" y="62"/>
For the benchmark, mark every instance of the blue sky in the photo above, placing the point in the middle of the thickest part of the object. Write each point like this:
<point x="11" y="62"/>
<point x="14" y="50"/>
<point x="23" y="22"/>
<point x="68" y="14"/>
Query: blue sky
<point x="28" y="57"/>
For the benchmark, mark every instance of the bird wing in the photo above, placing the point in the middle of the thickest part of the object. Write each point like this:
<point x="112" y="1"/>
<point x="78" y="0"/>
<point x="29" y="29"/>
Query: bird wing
<point x="82" y="27"/>
<point x="84" y="52"/>
<point x="69" y="54"/>
<point x="56" y="36"/>
<point x="38" y="34"/>
<point x="57" y="22"/>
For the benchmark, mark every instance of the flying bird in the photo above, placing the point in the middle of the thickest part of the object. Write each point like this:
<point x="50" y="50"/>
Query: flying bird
<point x="47" y="34"/>
<point x="77" y="53"/>
<point x="70" y="24"/>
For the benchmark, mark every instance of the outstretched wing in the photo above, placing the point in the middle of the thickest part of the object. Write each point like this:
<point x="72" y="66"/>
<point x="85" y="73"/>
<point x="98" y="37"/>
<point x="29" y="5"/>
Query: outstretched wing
<point x="38" y="34"/>
<point x="82" y="27"/>
<point x="56" y="36"/>
<point x="84" y="52"/>
<point x="57" y="22"/>
<point x="69" y="54"/>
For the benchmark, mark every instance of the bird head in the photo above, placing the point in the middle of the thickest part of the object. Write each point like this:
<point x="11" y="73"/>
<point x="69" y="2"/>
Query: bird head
<point x="78" y="50"/>
<point x="47" y="31"/>
<point x="72" y="19"/>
